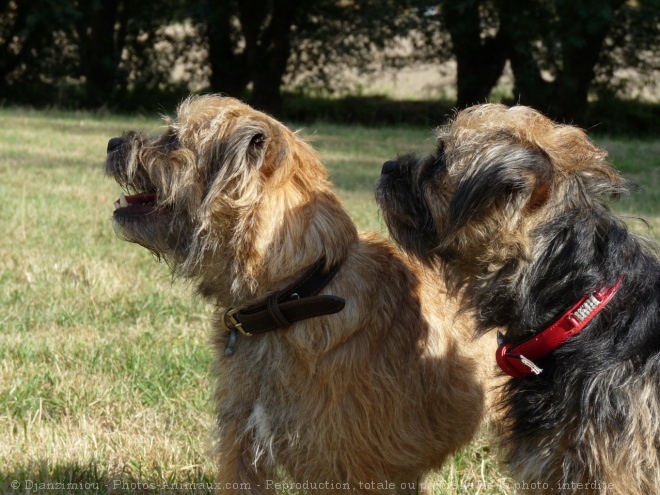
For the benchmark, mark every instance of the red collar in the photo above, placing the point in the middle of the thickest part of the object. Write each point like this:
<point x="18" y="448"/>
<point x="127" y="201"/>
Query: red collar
<point x="517" y="360"/>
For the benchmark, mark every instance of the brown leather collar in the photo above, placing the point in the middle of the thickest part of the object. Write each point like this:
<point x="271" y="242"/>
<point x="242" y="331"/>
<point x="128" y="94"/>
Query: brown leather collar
<point x="298" y="301"/>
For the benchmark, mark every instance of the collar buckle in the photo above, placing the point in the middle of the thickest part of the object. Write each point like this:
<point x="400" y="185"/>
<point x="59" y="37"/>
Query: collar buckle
<point x="232" y="324"/>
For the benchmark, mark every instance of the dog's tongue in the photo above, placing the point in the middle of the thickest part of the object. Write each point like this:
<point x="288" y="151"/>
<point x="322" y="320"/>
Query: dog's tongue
<point x="142" y="198"/>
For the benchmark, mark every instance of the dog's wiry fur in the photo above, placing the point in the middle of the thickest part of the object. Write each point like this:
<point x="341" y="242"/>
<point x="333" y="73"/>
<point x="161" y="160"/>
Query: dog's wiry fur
<point x="513" y="208"/>
<point x="380" y="392"/>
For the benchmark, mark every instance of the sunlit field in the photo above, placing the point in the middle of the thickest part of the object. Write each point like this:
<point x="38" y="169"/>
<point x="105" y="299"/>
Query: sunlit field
<point x="104" y="362"/>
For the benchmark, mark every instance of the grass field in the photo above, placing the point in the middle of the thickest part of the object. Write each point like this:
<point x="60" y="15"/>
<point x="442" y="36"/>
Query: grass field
<point x="104" y="364"/>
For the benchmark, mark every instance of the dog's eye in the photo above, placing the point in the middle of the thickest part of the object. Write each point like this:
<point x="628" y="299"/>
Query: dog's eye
<point x="172" y="142"/>
<point x="257" y="141"/>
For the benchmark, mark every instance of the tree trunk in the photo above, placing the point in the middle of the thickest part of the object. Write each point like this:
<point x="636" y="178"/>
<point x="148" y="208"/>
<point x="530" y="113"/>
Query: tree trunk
<point x="479" y="63"/>
<point x="229" y="73"/>
<point x="268" y="46"/>
<point x="521" y="25"/>
<point x="581" y="28"/>
<point x="589" y="22"/>
<point x="99" y="55"/>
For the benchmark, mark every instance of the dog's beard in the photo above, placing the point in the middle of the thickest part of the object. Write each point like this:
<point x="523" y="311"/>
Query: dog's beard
<point x="140" y="217"/>
<point x="162" y="233"/>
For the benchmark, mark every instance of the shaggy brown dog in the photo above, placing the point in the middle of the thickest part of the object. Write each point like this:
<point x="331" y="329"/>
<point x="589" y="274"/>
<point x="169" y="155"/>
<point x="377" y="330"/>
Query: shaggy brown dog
<point x="513" y="207"/>
<point x="361" y="398"/>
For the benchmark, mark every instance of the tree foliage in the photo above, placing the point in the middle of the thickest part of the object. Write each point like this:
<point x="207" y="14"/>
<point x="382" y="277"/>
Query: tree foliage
<point x="249" y="41"/>
<point x="338" y="42"/>
<point x="559" y="50"/>
<point x="114" y="52"/>
<point x="30" y="33"/>
<point x="309" y="43"/>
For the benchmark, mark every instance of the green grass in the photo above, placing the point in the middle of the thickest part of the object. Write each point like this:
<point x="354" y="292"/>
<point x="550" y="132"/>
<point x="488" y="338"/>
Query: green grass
<point x="104" y="363"/>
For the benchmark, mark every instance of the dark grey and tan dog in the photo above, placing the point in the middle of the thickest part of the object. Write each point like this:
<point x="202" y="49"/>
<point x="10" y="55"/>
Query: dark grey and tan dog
<point x="512" y="207"/>
<point x="358" y="377"/>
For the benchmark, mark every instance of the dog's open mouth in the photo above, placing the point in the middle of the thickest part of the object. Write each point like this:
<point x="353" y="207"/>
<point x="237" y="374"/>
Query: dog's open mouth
<point x="137" y="204"/>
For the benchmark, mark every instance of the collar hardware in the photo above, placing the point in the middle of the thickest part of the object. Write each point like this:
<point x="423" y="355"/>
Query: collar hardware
<point x="518" y="360"/>
<point x="232" y="323"/>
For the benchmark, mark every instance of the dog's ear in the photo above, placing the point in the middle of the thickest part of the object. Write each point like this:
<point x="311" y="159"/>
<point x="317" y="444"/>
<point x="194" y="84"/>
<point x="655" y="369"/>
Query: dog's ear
<point x="510" y="178"/>
<point x="257" y="141"/>
<point x="255" y="147"/>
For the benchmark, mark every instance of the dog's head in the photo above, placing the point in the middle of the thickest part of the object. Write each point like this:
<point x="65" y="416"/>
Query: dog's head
<point x="497" y="175"/>
<point x="224" y="193"/>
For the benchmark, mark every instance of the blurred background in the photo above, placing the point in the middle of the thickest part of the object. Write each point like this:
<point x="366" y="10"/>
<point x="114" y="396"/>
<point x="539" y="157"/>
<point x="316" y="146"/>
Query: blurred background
<point x="590" y="62"/>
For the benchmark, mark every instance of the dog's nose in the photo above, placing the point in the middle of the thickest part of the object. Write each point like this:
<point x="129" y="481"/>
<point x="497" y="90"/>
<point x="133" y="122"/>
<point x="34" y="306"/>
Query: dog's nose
<point x="389" y="166"/>
<point x="114" y="143"/>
